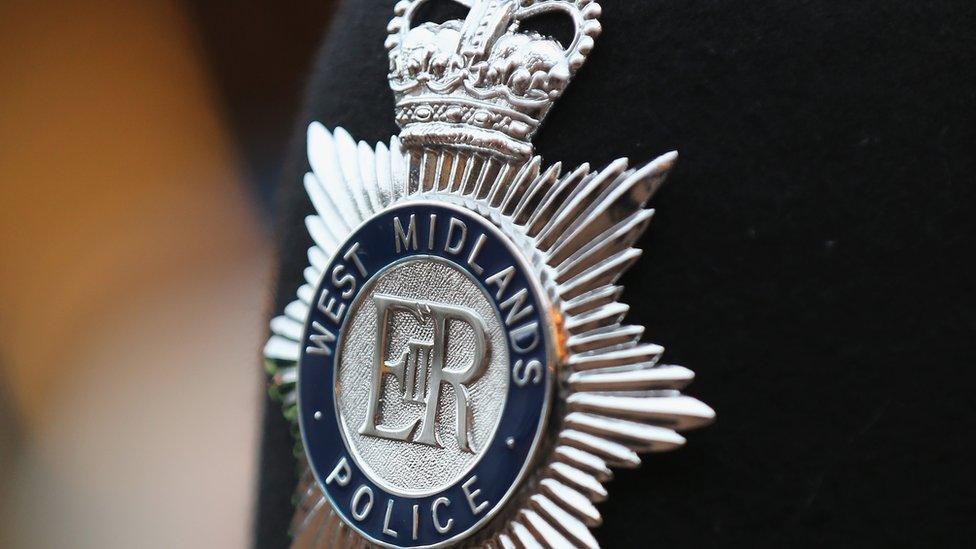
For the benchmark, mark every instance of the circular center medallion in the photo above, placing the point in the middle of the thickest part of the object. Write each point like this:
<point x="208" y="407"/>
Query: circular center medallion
<point x="425" y="375"/>
<point x="450" y="426"/>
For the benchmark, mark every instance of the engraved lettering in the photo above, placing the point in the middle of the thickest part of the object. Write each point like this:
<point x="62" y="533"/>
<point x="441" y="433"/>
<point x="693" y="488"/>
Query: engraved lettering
<point x="341" y="475"/>
<point x="386" y="521"/>
<point x="522" y="370"/>
<point x="430" y="231"/>
<point x="420" y="369"/>
<point x="352" y="254"/>
<point x="441" y="528"/>
<point x="405" y="240"/>
<point x="517" y="337"/>
<point x="475" y="250"/>
<point x="472" y="494"/>
<point x="501" y="279"/>
<point x="320" y="340"/>
<point x="516" y="312"/>
<point x="328" y="308"/>
<point x="360" y="510"/>
<point x="339" y="280"/>
<point x="462" y="235"/>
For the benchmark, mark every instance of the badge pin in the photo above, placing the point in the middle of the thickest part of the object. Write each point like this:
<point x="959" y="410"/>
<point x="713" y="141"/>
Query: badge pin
<point x="456" y="361"/>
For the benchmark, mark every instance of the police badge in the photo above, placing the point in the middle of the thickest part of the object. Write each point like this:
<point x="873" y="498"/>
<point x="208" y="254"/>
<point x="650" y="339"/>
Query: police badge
<point x="457" y="363"/>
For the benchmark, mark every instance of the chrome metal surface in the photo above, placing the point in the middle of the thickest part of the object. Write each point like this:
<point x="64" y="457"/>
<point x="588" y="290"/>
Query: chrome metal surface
<point x="469" y="96"/>
<point x="420" y="468"/>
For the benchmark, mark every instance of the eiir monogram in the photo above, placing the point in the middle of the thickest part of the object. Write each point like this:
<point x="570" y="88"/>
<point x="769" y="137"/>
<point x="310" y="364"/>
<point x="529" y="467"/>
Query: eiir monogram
<point x="420" y="369"/>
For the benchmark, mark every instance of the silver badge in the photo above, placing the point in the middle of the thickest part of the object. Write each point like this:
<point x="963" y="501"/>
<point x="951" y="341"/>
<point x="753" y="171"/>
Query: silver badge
<point x="456" y="361"/>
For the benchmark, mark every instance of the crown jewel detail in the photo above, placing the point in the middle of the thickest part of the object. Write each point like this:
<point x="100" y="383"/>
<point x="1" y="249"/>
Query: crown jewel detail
<point x="480" y="83"/>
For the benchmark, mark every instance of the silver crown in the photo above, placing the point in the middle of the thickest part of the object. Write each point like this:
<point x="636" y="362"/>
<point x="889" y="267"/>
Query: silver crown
<point x="481" y="84"/>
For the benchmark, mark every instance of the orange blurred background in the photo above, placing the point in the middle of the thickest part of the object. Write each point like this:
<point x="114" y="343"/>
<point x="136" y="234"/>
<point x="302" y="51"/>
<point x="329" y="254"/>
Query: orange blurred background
<point x="135" y="268"/>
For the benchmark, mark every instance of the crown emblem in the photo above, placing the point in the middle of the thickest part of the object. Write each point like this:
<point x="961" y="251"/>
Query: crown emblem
<point x="482" y="84"/>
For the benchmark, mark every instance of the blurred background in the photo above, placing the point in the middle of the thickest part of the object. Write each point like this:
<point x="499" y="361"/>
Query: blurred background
<point x="140" y="146"/>
<point x="139" y="143"/>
